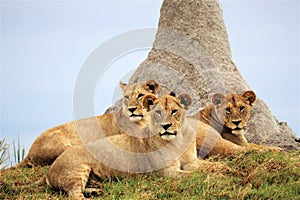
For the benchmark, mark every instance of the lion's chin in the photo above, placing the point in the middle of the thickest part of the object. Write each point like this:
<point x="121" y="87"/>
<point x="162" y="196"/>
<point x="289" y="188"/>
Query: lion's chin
<point x="168" y="136"/>
<point x="135" y="118"/>
<point x="237" y="131"/>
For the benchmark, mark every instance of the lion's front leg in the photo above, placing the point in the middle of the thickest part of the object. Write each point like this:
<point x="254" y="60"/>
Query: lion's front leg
<point x="77" y="181"/>
<point x="207" y="166"/>
<point x="174" y="171"/>
<point x="192" y="166"/>
<point x="261" y="147"/>
<point x="69" y="178"/>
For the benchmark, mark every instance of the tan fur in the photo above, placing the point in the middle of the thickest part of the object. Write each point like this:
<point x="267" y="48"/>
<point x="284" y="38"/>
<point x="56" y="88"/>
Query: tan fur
<point x="167" y="133"/>
<point x="228" y="115"/>
<point x="210" y="143"/>
<point x="50" y="144"/>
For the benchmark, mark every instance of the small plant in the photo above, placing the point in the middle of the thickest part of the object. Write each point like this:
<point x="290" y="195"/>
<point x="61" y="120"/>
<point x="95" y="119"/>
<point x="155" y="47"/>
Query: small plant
<point x="3" y="153"/>
<point x="18" y="152"/>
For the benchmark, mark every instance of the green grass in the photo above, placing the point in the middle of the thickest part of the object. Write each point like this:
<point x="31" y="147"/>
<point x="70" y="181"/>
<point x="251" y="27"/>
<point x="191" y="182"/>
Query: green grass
<point x="5" y="159"/>
<point x="19" y="153"/>
<point x="263" y="175"/>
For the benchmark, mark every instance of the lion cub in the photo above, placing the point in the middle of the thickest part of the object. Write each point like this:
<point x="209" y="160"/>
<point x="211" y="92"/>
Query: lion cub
<point x="228" y="115"/>
<point x="167" y="147"/>
<point x="50" y="144"/>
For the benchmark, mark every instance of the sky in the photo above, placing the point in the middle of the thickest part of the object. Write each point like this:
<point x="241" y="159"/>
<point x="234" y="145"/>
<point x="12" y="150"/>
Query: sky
<point x="44" y="45"/>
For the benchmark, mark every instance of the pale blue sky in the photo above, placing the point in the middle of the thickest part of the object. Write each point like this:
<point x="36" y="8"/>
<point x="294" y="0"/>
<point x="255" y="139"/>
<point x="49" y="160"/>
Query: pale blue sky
<point x="45" y="43"/>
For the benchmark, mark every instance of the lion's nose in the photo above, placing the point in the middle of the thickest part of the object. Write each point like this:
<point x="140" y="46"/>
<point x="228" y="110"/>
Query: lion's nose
<point x="166" y="126"/>
<point x="236" y="122"/>
<point x="132" y="109"/>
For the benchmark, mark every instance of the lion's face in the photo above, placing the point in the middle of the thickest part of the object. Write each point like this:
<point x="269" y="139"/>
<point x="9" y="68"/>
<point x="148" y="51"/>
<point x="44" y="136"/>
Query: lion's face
<point x="234" y="109"/>
<point x="132" y="98"/>
<point x="167" y="114"/>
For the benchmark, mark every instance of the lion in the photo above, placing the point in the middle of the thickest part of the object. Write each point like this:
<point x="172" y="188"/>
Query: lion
<point x="229" y="115"/>
<point x="167" y="147"/>
<point x="50" y="144"/>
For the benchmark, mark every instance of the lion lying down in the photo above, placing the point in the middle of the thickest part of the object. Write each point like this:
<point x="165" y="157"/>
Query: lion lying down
<point x="50" y="144"/>
<point x="228" y="115"/>
<point x="167" y="146"/>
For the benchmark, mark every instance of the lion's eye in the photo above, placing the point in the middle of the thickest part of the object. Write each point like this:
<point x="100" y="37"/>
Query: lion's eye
<point x="126" y="97"/>
<point x="173" y="112"/>
<point x="158" y="112"/>
<point x="140" y="96"/>
<point x="228" y="110"/>
<point x="242" y="108"/>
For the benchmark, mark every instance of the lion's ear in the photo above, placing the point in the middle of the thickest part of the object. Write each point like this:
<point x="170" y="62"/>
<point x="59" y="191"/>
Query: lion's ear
<point x="122" y="85"/>
<point x="250" y="97"/>
<point x="217" y="99"/>
<point x="148" y="101"/>
<point x="151" y="86"/>
<point x="186" y="100"/>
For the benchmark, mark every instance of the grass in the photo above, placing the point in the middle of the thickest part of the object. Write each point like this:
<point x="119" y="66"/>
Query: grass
<point x="5" y="159"/>
<point x="19" y="153"/>
<point x="263" y="175"/>
<point x="3" y="153"/>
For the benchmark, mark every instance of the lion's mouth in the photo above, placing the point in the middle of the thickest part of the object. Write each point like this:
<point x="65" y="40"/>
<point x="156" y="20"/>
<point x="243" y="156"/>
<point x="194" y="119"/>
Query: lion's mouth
<point x="238" y="129"/>
<point x="134" y="115"/>
<point x="167" y="133"/>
